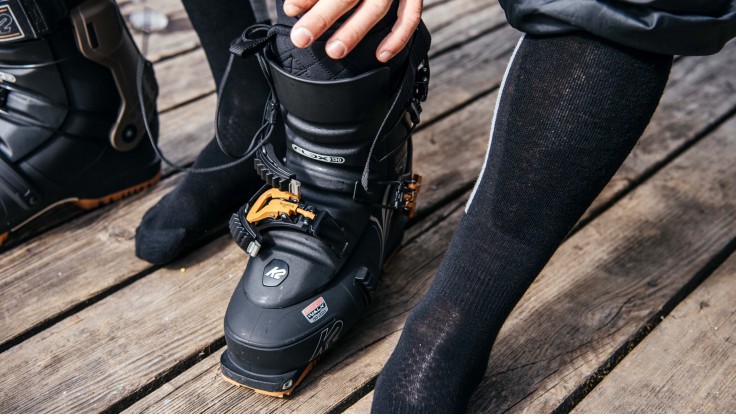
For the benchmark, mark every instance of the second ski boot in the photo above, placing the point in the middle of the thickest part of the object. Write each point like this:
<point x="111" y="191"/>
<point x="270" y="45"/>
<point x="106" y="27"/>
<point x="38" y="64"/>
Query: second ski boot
<point x="71" y="121"/>
<point x="329" y="217"/>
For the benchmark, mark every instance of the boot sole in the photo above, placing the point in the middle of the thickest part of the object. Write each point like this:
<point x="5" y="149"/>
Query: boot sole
<point x="278" y="394"/>
<point x="92" y="203"/>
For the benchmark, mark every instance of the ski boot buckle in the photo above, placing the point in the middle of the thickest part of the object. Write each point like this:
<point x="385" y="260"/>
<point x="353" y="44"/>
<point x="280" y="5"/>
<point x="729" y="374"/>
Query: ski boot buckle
<point x="274" y="203"/>
<point x="273" y="207"/>
<point x="408" y="192"/>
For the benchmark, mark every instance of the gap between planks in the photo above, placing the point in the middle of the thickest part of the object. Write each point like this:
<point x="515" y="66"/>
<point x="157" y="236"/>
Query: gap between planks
<point x="686" y="365"/>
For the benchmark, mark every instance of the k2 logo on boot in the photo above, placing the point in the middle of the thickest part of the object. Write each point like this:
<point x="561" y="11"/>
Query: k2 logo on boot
<point x="327" y="337"/>
<point x="275" y="273"/>
<point x="9" y="27"/>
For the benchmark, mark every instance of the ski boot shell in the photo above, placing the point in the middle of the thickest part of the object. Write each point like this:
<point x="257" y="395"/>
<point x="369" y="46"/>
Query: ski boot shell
<point x="317" y="235"/>
<point x="71" y="124"/>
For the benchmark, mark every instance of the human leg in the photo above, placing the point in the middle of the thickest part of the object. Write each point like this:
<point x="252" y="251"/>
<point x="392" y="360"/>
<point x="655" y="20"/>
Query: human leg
<point x="202" y="201"/>
<point x="570" y="109"/>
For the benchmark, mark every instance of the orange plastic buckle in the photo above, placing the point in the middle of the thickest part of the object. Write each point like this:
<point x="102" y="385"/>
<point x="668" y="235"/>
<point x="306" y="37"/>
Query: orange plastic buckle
<point x="273" y="203"/>
<point x="410" y="196"/>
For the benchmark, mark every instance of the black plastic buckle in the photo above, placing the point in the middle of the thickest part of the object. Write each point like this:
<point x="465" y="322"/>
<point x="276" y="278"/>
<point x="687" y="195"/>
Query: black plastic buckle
<point x="403" y="197"/>
<point x="422" y="83"/>
<point x="421" y="91"/>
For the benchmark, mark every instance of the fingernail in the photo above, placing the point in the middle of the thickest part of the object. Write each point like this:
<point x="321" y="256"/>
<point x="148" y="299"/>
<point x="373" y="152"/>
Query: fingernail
<point x="301" y="37"/>
<point x="336" y="49"/>
<point x="292" y="10"/>
<point x="384" y="56"/>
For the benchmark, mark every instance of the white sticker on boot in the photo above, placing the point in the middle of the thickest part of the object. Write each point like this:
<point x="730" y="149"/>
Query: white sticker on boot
<point x="315" y="310"/>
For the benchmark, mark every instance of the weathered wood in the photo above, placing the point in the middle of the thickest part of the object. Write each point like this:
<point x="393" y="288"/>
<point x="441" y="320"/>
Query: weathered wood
<point x="84" y="257"/>
<point x="478" y="142"/>
<point x="177" y="38"/>
<point x="686" y="365"/>
<point x="183" y="79"/>
<point x="600" y="287"/>
<point x="452" y="26"/>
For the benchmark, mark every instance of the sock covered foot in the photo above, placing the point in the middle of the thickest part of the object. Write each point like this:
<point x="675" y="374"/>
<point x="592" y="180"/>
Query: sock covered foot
<point x="205" y="200"/>
<point x="570" y="110"/>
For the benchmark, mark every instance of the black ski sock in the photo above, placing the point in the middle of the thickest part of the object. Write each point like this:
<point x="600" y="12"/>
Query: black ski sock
<point x="204" y="200"/>
<point x="314" y="64"/>
<point x="571" y="109"/>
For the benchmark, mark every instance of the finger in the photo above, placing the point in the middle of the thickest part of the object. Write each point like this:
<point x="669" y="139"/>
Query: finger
<point x="317" y="20"/>
<point x="294" y="8"/>
<point x="356" y="27"/>
<point x="409" y="16"/>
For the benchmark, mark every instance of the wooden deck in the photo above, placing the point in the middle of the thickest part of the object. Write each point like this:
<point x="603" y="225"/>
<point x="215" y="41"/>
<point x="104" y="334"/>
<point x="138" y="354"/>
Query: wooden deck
<point x="634" y="312"/>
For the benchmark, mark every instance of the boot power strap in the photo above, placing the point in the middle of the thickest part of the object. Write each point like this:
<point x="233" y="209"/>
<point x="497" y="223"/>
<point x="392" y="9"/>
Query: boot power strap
<point x="273" y="208"/>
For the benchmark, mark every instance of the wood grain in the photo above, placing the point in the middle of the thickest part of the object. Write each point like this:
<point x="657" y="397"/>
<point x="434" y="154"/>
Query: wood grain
<point x="83" y="257"/>
<point x="99" y="257"/>
<point x="176" y="38"/>
<point x="686" y="365"/>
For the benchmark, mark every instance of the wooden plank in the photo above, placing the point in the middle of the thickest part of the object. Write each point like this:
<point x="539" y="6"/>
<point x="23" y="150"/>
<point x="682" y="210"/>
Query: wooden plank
<point x="84" y="257"/>
<point x="454" y="23"/>
<point x="183" y="79"/>
<point x="686" y="365"/>
<point x="178" y="37"/>
<point x="184" y="131"/>
<point x="597" y="291"/>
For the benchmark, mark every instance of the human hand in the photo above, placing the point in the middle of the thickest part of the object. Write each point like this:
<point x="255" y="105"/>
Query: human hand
<point x="321" y="14"/>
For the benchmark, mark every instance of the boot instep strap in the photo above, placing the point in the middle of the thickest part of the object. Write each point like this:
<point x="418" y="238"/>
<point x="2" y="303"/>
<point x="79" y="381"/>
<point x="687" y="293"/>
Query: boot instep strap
<point x="273" y="208"/>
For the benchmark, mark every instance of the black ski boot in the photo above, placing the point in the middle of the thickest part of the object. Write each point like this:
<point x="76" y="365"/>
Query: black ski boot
<point x="321" y="229"/>
<point x="71" y="124"/>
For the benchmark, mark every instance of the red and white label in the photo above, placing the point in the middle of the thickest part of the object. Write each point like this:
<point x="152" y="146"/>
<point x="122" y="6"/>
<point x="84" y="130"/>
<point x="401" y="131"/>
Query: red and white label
<point x="315" y="310"/>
